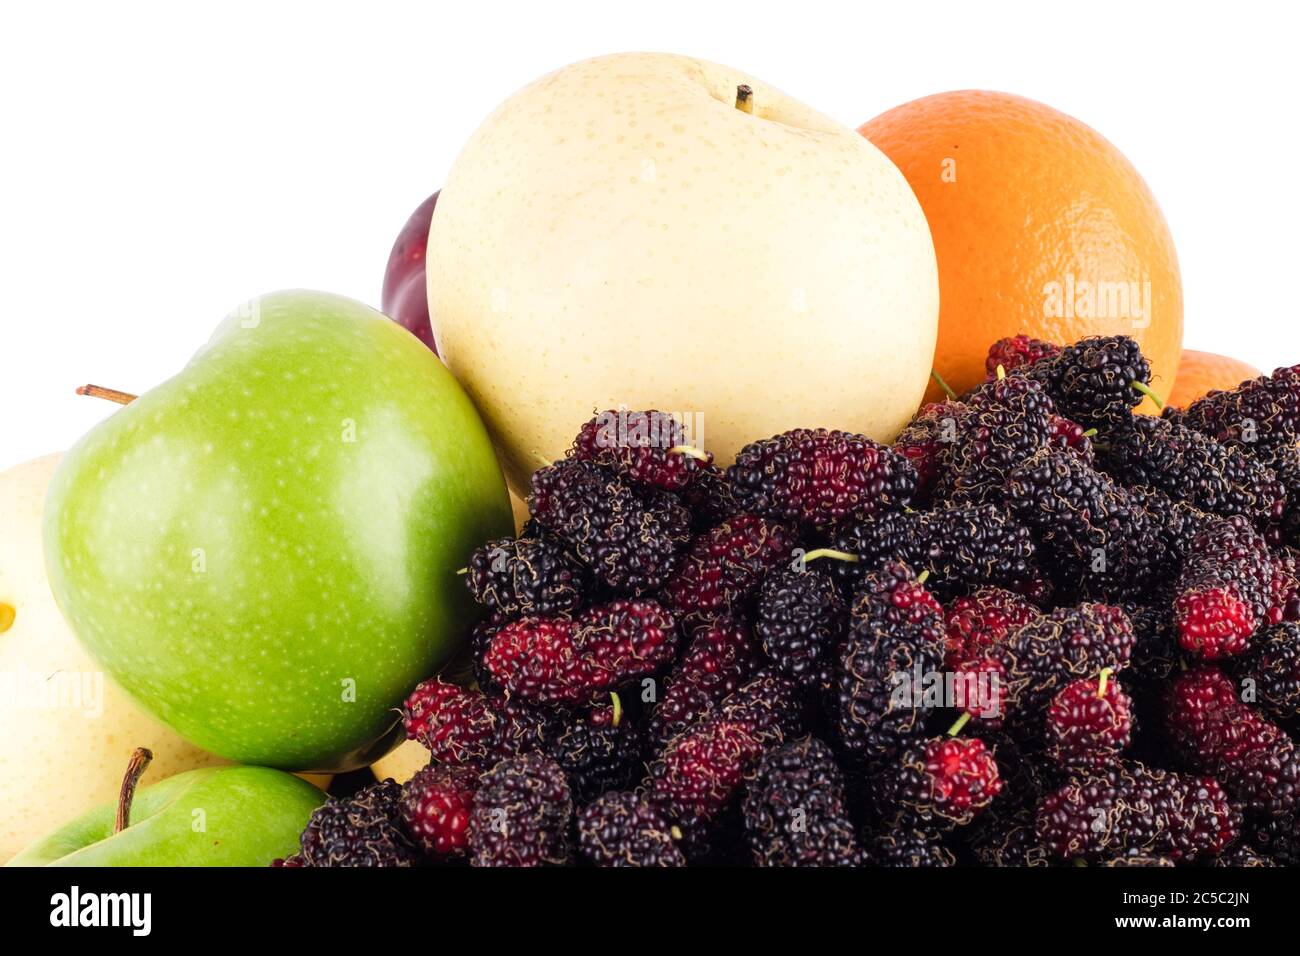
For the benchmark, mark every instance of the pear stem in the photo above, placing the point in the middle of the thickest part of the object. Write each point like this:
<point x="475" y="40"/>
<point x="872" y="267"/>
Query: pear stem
<point x="745" y="98"/>
<point x="112" y="394"/>
<point x="938" y="380"/>
<point x="135" y="768"/>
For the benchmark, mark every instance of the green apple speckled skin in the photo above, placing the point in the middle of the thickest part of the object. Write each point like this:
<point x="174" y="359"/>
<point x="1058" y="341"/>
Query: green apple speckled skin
<point x="263" y="549"/>
<point x="218" y="816"/>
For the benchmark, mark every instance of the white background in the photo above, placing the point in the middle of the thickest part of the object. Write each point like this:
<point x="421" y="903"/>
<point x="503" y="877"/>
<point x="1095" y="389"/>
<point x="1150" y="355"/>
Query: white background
<point x="160" y="165"/>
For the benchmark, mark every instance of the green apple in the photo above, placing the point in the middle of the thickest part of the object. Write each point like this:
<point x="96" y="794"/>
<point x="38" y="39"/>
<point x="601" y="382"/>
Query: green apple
<point x="67" y="730"/>
<point x="263" y="549"/>
<point x="215" y="816"/>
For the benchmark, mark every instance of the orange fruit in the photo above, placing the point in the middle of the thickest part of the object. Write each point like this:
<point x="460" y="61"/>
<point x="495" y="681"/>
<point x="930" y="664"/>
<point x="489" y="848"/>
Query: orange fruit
<point x="1040" y="226"/>
<point x="1199" y="372"/>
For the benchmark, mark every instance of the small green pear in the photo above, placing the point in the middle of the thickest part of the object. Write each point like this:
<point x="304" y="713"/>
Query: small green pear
<point x="263" y="550"/>
<point x="216" y="816"/>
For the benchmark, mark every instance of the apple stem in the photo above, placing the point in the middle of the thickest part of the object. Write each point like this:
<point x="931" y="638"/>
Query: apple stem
<point x="745" y="98"/>
<point x="112" y="394"/>
<point x="135" y="768"/>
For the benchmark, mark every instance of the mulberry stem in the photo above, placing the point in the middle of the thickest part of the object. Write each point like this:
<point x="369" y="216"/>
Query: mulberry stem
<point x="943" y="385"/>
<point x="1148" y="392"/>
<point x="816" y="553"/>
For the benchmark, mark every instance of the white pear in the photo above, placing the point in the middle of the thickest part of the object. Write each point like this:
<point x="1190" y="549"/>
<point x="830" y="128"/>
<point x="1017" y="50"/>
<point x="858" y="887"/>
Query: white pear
<point x="67" y="731"/>
<point x="639" y="230"/>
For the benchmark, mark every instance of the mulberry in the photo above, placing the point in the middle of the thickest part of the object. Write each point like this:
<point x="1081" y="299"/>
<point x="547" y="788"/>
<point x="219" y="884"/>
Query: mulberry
<point x="521" y="814"/>
<point x="436" y="805"/>
<point x="1215" y="733"/>
<point x="799" y="620"/>
<point x="598" y="752"/>
<point x="895" y="635"/>
<point x="1015" y="351"/>
<point x="364" y="830"/>
<point x="629" y="542"/>
<point x="1194" y="468"/>
<point x="579" y="660"/>
<point x="1132" y="809"/>
<point x="466" y="728"/>
<point x="963" y="548"/>
<point x="1066" y="645"/>
<point x="721" y="656"/>
<point x="769" y="706"/>
<point x="725" y="565"/>
<point x="1095" y="536"/>
<point x="1096" y="381"/>
<point x="525" y="576"/>
<point x="1007" y="420"/>
<point x="624" y="829"/>
<point x="794" y="809"/>
<point x="982" y="621"/>
<point x="1272" y="665"/>
<point x="939" y="784"/>
<point x="1225" y="589"/>
<point x="816" y="477"/>
<point x="1072" y="437"/>
<point x="1260" y="414"/>
<point x="456" y="725"/>
<point x="1089" y="723"/>
<point x="650" y="449"/>
<point x="905" y="848"/>
<point x="701" y="769"/>
<point x="926" y="442"/>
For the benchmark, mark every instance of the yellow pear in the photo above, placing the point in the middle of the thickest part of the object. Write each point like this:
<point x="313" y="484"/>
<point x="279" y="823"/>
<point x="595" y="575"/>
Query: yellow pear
<point x="67" y="732"/>
<point x="401" y="763"/>
<point x="658" y="231"/>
